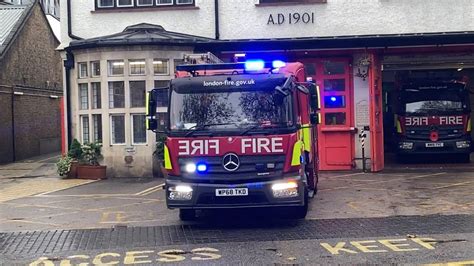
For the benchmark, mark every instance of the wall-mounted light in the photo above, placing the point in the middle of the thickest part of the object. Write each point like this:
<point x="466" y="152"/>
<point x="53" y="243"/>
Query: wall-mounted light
<point x="53" y="96"/>
<point x="363" y="66"/>
<point x="18" y="93"/>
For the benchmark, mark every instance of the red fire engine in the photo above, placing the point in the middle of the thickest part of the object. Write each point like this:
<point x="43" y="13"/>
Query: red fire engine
<point x="433" y="117"/>
<point x="239" y="135"/>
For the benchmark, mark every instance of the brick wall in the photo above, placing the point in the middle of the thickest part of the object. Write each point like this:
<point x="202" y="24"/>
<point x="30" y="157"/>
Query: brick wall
<point x="32" y="66"/>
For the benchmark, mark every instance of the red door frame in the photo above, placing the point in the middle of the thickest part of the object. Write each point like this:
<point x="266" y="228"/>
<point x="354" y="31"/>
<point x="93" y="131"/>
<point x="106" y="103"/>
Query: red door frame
<point x="376" y="114"/>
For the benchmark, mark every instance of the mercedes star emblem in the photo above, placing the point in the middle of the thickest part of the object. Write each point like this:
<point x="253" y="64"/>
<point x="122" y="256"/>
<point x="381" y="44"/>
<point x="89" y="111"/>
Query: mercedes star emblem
<point x="231" y="162"/>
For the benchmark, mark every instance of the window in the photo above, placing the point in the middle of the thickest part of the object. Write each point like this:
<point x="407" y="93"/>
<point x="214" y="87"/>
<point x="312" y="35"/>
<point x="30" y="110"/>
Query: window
<point x="164" y="2"/>
<point x="116" y="94"/>
<point x="117" y="125"/>
<point x="144" y="2"/>
<point x="97" y="127"/>
<point x="139" y="129"/>
<point x="160" y="66"/>
<point x="109" y="4"/>
<point x="116" y="67"/>
<point x="137" y="67"/>
<point x="162" y="95"/>
<point x="178" y="62"/>
<point x="95" y="69"/>
<point x="85" y="129"/>
<point x="137" y="93"/>
<point x="124" y="3"/>
<point x="96" y="97"/>
<point x="291" y="1"/>
<point x="184" y="2"/>
<point x="105" y="3"/>
<point x="83" y="96"/>
<point x="82" y="68"/>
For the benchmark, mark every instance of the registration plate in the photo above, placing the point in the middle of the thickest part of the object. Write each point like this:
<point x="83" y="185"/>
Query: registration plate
<point x="434" y="144"/>
<point x="229" y="192"/>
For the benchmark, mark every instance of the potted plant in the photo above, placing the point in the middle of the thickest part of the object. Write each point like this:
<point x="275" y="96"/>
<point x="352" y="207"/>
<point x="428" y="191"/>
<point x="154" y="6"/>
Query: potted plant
<point x="89" y="167"/>
<point x="75" y="153"/>
<point x="64" y="165"/>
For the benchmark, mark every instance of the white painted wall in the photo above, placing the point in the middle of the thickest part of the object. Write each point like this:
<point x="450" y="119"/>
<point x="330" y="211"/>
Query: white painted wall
<point x="243" y="19"/>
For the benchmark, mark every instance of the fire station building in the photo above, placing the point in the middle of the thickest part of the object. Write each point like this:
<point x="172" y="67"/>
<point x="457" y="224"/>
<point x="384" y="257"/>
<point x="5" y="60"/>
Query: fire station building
<point x="115" y="50"/>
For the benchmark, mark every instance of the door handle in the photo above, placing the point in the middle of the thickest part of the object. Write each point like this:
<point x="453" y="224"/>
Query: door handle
<point x="340" y="129"/>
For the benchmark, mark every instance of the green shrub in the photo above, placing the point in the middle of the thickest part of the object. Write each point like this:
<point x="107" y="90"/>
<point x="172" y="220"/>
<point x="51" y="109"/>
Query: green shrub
<point x="91" y="153"/>
<point x="75" y="150"/>
<point x="64" y="165"/>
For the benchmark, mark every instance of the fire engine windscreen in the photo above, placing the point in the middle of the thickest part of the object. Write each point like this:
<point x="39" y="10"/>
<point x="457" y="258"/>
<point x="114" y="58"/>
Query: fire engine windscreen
<point x="435" y="102"/>
<point x="221" y="103"/>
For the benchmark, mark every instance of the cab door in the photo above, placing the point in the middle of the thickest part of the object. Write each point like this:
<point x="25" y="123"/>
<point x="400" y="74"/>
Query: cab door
<point x="336" y="130"/>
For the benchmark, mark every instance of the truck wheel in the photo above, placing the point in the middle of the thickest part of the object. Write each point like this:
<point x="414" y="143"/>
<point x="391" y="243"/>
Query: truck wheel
<point x="187" y="214"/>
<point x="301" y="211"/>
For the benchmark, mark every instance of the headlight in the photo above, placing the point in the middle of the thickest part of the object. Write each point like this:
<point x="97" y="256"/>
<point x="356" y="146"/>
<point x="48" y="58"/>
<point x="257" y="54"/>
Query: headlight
<point x="180" y="192"/>
<point x="190" y="168"/>
<point x="285" y="190"/>
<point x="406" y="145"/>
<point x="463" y="144"/>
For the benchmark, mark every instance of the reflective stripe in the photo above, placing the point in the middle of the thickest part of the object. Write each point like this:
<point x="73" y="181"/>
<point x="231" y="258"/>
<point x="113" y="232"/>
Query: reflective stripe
<point x="307" y="137"/>
<point x="167" y="158"/>
<point x="147" y="103"/>
<point x="399" y="127"/>
<point x="319" y="97"/>
<point x="469" y="126"/>
<point x="296" y="159"/>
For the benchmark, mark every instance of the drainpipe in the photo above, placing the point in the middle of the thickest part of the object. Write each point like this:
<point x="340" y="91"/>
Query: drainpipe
<point x="13" y="125"/>
<point x="69" y="22"/>
<point x="68" y="65"/>
<point x="216" y="14"/>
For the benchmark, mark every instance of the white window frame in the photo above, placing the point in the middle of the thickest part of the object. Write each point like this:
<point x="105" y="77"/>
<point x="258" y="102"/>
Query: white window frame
<point x="100" y="6"/>
<point x="80" y="66"/>
<point x="178" y="3"/>
<point x="152" y="2"/>
<point x="167" y="66"/>
<point x="79" y="86"/>
<point x="81" y="118"/>
<point x="112" y="133"/>
<point x="130" y="63"/>
<point x="109" y="69"/>
<point x="94" y="128"/>
<point x="92" y="69"/>
<point x="165" y="4"/>
<point x="99" y="94"/>
<point x="118" y="4"/>
<point x="131" y="128"/>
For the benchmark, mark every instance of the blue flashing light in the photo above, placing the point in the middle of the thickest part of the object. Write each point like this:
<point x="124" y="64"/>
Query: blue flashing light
<point x="333" y="99"/>
<point x="254" y="65"/>
<point x="201" y="167"/>
<point x="278" y="64"/>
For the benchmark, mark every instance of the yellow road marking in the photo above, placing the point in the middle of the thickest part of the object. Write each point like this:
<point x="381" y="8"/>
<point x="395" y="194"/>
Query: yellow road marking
<point x="28" y="222"/>
<point x="455" y="263"/>
<point x="149" y="189"/>
<point x="38" y="186"/>
<point x="454" y="185"/>
<point x="352" y="205"/>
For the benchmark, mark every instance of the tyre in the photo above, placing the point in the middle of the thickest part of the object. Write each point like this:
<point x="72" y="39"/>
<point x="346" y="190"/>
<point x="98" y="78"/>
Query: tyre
<point x="301" y="211"/>
<point x="187" y="214"/>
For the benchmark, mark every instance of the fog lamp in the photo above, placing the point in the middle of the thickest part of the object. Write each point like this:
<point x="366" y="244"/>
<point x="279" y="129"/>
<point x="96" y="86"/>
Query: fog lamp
<point x="285" y="190"/>
<point x="406" y="145"/>
<point x="180" y="193"/>
<point x="463" y="144"/>
<point x="190" y="167"/>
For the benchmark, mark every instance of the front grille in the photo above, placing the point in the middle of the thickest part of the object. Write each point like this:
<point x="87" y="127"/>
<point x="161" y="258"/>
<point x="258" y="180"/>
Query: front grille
<point x="443" y="134"/>
<point x="247" y="170"/>
<point x="211" y="199"/>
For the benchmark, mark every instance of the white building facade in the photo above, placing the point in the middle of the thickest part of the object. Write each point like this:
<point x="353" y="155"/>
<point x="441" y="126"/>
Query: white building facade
<point x="108" y="68"/>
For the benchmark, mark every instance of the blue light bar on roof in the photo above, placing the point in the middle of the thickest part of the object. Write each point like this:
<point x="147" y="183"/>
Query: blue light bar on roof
<point x="278" y="64"/>
<point x="254" y="65"/>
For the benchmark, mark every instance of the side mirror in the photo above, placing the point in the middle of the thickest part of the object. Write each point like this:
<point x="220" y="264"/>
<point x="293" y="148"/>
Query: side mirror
<point x="151" y="105"/>
<point x="314" y="118"/>
<point x="314" y="97"/>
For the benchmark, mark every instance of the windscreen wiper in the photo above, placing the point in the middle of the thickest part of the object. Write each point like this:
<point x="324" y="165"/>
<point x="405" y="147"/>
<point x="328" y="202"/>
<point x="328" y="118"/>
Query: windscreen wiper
<point x="259" y="125"/>
<point x="193" y="129"/>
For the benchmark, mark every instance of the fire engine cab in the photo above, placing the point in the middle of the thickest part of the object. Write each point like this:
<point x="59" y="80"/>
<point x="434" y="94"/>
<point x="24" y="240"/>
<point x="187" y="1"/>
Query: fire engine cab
<point x="239" y="135"/>
<point x="434" y="118"/>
